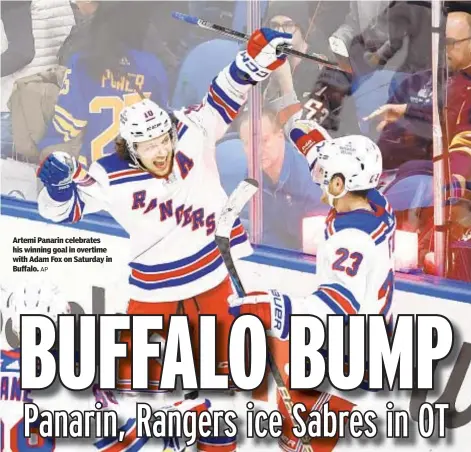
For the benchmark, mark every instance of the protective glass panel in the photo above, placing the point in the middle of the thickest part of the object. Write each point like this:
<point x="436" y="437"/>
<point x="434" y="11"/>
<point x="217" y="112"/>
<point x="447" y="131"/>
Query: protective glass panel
<point x="383" y="86"/>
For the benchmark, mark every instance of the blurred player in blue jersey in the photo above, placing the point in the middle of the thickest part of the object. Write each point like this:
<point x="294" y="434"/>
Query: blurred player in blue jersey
<point x="107" y="74"/>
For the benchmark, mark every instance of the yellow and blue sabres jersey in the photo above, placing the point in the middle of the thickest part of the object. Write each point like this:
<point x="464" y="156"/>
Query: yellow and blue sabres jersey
<point x="86" y="103"/>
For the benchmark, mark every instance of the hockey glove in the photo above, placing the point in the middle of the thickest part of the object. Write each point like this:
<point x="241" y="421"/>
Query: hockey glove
<point x="262" y="55"/>
<point x="272" y="308"/>
<point x="56" y="173"/>
<point x="306" y="136"/>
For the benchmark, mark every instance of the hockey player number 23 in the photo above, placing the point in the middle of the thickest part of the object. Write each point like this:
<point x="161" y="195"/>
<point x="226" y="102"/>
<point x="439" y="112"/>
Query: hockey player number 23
<point x="344" y="255"/>
<point x="18" y="442"/>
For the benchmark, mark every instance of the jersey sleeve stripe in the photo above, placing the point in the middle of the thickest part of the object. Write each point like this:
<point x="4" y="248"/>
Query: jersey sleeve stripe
<point x="235" y="72"/>
<point x="177" y="277"/>
<point x="82" y="178"/>
<point x="80" y="173"/>
<point x="76" y="211"/>
<point x="339" y="299"/>
<point x="383" y="231"/>
<point x="220" y="100"/>
<point x="86" y="181"/>
<point x="330" y="302"/>
<point x="378" y="231"/>
<point x="387" y="302"/>
<point x="183" y="271"/>
<point x="186" y="270"/>
<point x="232" y="104"/>
<point x="218" y="108"/>
<point x="386" y="294"/>
<point x="345" y="292"/>
<point x="173" y="282"/>
<point x="329" y="226"/>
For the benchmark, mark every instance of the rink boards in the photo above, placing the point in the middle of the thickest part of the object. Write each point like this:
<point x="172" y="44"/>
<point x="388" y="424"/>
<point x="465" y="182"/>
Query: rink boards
<point x="102" y="287"/>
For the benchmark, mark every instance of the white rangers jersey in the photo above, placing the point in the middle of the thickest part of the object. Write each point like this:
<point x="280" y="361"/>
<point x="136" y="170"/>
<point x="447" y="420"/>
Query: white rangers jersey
<point x="355" y="263"/>
<point x="171" y="221"/>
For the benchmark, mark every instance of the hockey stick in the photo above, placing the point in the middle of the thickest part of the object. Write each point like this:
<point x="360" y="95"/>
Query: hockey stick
<point x="239" y="197"/>
<point x="243" y="37"/>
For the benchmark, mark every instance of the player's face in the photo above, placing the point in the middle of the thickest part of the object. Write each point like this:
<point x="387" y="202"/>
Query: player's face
<point x="157" y="155"/>
<point x="458" y="43"/>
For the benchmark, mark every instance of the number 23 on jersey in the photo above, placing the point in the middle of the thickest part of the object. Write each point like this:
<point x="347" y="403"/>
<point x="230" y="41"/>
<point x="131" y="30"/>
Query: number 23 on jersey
<point x="348" y="262"/>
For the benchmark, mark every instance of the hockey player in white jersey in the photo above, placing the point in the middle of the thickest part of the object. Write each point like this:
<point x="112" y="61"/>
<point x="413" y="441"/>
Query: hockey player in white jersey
<point x="163" y="188"/>
<point x="355" y="261"/>
<point x="45" y="299"/>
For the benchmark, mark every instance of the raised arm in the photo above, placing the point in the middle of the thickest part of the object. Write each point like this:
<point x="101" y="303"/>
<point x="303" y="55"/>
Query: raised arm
<point x="229" y="89"/>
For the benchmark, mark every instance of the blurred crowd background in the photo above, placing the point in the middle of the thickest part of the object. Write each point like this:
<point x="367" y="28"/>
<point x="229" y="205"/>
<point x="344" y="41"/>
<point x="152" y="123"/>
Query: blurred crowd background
<point x="69" y="67"/>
